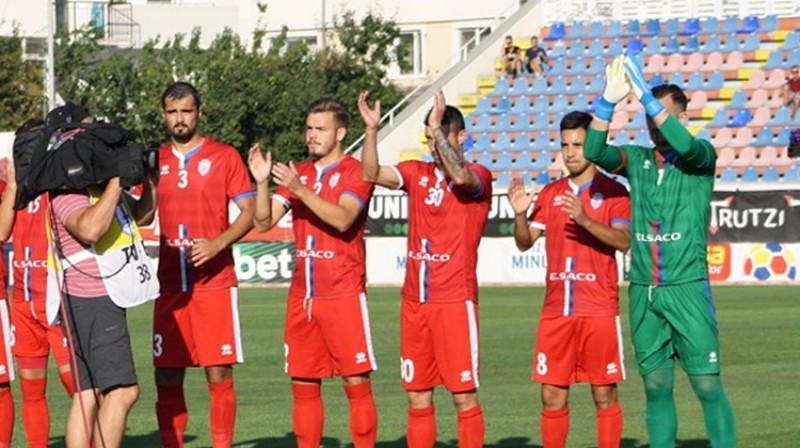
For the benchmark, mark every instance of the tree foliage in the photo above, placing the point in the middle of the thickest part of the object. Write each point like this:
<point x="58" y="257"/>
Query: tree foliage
<point x="250" y="93"/>
<point x="21" y="95"/>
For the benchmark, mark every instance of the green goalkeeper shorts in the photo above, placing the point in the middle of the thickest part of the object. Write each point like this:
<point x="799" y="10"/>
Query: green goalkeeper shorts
<point x="675" y="321"/>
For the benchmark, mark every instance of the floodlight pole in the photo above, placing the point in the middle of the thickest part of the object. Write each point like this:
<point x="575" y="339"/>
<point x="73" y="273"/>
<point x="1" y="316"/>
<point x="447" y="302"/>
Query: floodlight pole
<point x="323" y="38"/>
<point x="50" y="86"/>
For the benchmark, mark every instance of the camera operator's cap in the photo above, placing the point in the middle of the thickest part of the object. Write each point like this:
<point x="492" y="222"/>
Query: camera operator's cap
<point x="68" y="113"/>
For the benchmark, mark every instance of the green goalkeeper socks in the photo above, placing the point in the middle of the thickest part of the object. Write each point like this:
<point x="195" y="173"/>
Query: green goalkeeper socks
<point x="720" y="422"/>
<point x="662" y="419"/>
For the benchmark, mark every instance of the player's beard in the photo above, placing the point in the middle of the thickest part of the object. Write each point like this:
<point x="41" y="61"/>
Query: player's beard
<point x="182" y="134"/>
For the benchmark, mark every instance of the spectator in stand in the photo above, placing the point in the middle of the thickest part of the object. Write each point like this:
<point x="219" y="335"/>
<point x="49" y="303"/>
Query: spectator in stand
<point x="791" y="89"/>
<point x="510" y="56"/>
<point x="535" y="58"/>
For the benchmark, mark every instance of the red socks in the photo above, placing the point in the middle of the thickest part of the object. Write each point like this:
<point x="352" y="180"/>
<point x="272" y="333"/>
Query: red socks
<point x="363" y="415"/>
<point x="172" y="415"/>
<point x="222" y="415"/>
<point x="35" y="415"/>
<point x="421" y="430"/>
<point x="307" y="415"/>
<point x="555" y="425"/>
<point x="6" y="416"/>
<point x="470" y="428"/>
<point x="609" y="426"/>
<point x="66" y="381"/>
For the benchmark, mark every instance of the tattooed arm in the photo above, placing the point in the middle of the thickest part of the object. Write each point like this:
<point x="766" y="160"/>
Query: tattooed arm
<point x="450" y="155"/>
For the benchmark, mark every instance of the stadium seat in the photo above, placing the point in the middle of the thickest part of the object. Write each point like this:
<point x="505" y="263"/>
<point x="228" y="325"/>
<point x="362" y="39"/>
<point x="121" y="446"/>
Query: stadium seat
<point x="485" y="159"/>
<point x="576" y="30"/>
<point x="503" y="105"/>
<point x="652" y="47"/>
<point x="698" y="100"/>
<point x="520" y="87"/>
<point x="734" y="61"/>
<point x="771" y="174"/>
<point x="638" y="121"/>
<point x="674" y="63"/>
<point x="709" y="26"/>
<point x="580" y="102"/>
<point x="738" y="100"/>
<point x="713" y="62"/>
<point x="769" y="24"/>
<point x="558" y="50"/>
<point x="523" y="162"/>
<point x="559" y="67"/>
<point x="521" y="123"/>
<point x="469" y="143"/>
<point x="792" y="174"/>
<point x="652" y="27"/>
<point x="500" y="88"/>
<point x="522" y="143"/>
<point x="656" y="80"/>
<point x="559" y="104"/>
<point x="615" y="48"/>
<point x="705" y="135"/>
<point x="749" y="25"/>
<point x="577" y="86"/>
<point x="783" y="117"/>
<point x="503" y="143"/>
<point x="774" y="60"/>
<point x="723" y="136"/>
<point x="740" y="118"/>
<point x="539" y="87"/>
<point x="725" y="157"/>
<point x="618" y="120"/>
<point x="484" y="106"/>
<point x="744" y="136"/>
<point x="540" y="123"/>
<point x="792" y="41"/>
<point x="756" y="81"/>
<point x="751" y="43"/>
<point x="694" y="63"/>
<point x="728" y="175"/>
<point x="782" y="139"/>
<point x="763" y="138"/>
<point x="632" y="28"/>
<point x="523" y="104"/>
<point x="483" y="142"/>
<point x="672" y="27"/>
<point x="503" y="123"/>
<point x="642" y="138"/>
<point x="426" y="158"/>
<point x="692" y="44"/>
<point x="503" y="180"/>
<point x="557" y="31"/>
<point x="731" y="43"/>
<point x="543" y="178"/>
<point x="542" y="162"/>
<point x="558" y="163"/>
<point x="690" y="26"/>
<point x="597" y="66"/>
<point x="747" y="156"/>
<point x="715" y="82"/>
<point x="484" y="123"/>
<point x="622" y="138"/>
<point x="677" y="79"/>
<point x="672" y="46"/>
<point x="711" y="44"/>
<point x="541" y="142"/>
<point x="503" y="162"/>
<point x="596" y="86"/>
<point x="767" y="157"/>
<point x="558" y="86"/>
<point x="635" y="46"/>
<point x="730" y="25"/>
<point x="654" y="64"/>
<point x="541" y="104"/>
<point x="749" y="175"/>
<point x="614" y="29"/>
<point x="578" y="65"/>
<point x="526" y="178"/>
<point x="595" y="29"/>
<point x="775" y="80"/>
<point x="720" y="119"/>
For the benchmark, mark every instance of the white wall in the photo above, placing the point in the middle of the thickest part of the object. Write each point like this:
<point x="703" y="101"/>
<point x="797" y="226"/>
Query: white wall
<point x="29" y="16"/>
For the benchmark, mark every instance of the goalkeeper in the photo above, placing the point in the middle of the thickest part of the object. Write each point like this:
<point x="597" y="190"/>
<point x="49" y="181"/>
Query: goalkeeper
<point x="672" y="315"/>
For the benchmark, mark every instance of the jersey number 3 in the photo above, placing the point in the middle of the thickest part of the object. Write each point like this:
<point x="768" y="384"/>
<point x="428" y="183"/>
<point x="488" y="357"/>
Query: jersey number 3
<point x="183" y="182"/>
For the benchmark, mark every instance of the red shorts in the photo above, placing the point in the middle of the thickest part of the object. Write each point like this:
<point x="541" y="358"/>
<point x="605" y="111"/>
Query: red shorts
<point x="33" y="337"/>
<point x="199" y="328"/>
<point x="439" y="345"/>
<point x="6" y="341"/>
<point x="578" y="349"/>
<point x="328" y="337"/>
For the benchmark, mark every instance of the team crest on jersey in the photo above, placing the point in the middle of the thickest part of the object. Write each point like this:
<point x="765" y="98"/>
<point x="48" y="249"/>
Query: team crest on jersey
<point x="204" y="167"/>
<point x="423" y="181"/>
<point x="646" y="165"/>
<point x="596" y="201"/>
<point x="164" y="170"/>
<point x="303" y="179"/>
<point x="334" y="180"/>
<point x="558" y="201"/>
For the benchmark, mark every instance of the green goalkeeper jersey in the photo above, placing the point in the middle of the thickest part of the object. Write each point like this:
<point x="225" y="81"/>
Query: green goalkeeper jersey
<point x="670" y="202"/>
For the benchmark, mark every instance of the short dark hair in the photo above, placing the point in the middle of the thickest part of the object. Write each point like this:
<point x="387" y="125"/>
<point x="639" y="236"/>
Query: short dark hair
<point x="178" y="90"/>
<point x="453" y="119"/>
<point x="535" y="37"/>
<point x="340" y="114"/>
<point x="30" y="124"/>
<point x="576" y="120"/>
<point x="674" y="92"/>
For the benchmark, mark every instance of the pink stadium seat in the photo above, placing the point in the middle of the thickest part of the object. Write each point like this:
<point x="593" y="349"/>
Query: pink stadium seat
<point x="558" y="164"/>
<point x="744" y="137"/>
<point x="756" y="81"/>
<point x="674" y="63"/>
<point x="713" y="63"/>
<point x="655" y="64"/>
<point x="775" y="101"/>
<point x="619" y="120"/>
<point x="734" y="61"/>
<point x="783" y="160"/>
<point x="746" y="158"/>
<point x="725" y="157"/>
<point x="723" y="137"/>
<point x="768" y="157"/>
<point x="761" y="117"/>
<point x="698" y="100"/>
<point x="757" y="99"/>
<point x="693" y="63"/>
<point x="776" y="79"/>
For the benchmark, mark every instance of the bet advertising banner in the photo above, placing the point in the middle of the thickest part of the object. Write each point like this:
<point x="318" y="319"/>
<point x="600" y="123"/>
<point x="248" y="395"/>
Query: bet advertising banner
<point x="755" y="216"/>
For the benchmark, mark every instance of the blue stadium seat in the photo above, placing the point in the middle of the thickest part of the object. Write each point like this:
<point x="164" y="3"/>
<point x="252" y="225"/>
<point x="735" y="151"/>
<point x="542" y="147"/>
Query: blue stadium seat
<point x="704" y="134"/>
<point x="543" y="178"/>
<point x="710" y="26"/>
<point x="751" y="43"/>
<point x="560" y="103"/>
<point x="671" y="27"/>
<point x="638" y="121"/>
<point x="728" y="175"/>
<point x="526" y="178"/>
<point x="485" y="159"/>
<point x="771" y="174"/>
<point x="484" y="106"/>
<point x="791" y="42"/>
<point x="749" y="25"/>
<point x="484" y="123"/>
<point x="597" y="66"/>
<point x="715" y="82"/>
<point x="632" y="28"/>
<point x="763" y="138"/>
<point x="677" y="79"/>
<point x="740" y="118"/>
<point x="635" y="46"/>
<point x="539" y="87"/>
<point x="692" y="45"/>
<point x="653" y="46"/>
<point x="731" y="43"/>
<point x="558" y="50"/>
<point x="523" y="162"/>
<point x="483" y="143"/>
<point x="783" y="117"/>
<point x="555" y="145"/>
<point x="522" y="143"/>
<point x="500" y="88"/>
<point x="541" y="142"/>
<point x="597" y="85"/>
<point x="750" y="175"/>
<point x="520" y="86"/>
<point x="503" y="162"/>
<point x="427" y="158"/>
<point x="557" y="31"/>
<point x="595" y="29"/>
<point x="559" y="67"/>
<point x="783" y="137"/>
<point x="596" y="48"/>
<point x="774" y="60"/>
<point x="578" y="65"/>
<point x="652" y="27"/>
<point x="792" y="174"/>
<point x="720" y="119"/>
<point x="656" y="80"/>
<point x="578" y="48"/>
<point x="730" y="25"/>
<point x="614" y="29"/>
<point x="542" y="162"/>
<point x="540" y="123"/>
<point x="541" y="104"/>
<point x="503" y="180"/>
<point x="523" y="104"/>
<point x="521" y="123"/>
<point x="711" y="45"/>
<point x="672" y="46"/>
<point x="690" y="26"/>
<point x="615" y="48"/>
<point x="503" y="123"/>
<point x="622" y="138"/>
<point x="578" y="85"/>
<point x="503" y="143"/>
<point x="576" y="30"/>
<point x="793" y="58"/>
<point x="738" y="100"/>
<point x="503" y="105"/>
<point x="580" y="102"/>
<point x="642" y="138"/>
<point x="469" y="143"/>
<point x="769" y="24"/>
<point x="559" y="86"/>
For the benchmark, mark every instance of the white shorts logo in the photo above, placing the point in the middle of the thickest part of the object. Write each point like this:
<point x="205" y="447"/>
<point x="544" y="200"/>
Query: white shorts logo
<point x="466" y="376"/>
<point x="361" y="358"/>
<point x="712" y="358"/>
<point x="227" y="350"/>
<point x="611" y="368"/>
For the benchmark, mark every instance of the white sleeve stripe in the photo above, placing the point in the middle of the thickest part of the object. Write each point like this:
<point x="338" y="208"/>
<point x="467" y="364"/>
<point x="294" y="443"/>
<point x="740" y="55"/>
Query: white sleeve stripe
<point x="537" y="225"/>
<point x="282" y="200"/>
<point x="399" y="177"/>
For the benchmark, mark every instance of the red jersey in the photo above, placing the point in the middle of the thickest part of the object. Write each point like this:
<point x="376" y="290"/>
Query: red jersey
<point x="582" y="273"/>
<point x="194" y="191"/>
<point x="794" y="84"/>
<point x="3" y="291"/>
<point x="445" y="226"/>
<point x="29" y="243"/>
<point x="329" y="263"/>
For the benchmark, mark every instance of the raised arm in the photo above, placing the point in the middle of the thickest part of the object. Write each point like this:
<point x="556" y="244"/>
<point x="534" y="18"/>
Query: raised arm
<point x="595" y="148"/>
<point x="90" y="223"/>
<point x="524" y="234"/>
<point x="452" y="157"/>
<point x="371" y="170"/>
<point x="267" y="212"/>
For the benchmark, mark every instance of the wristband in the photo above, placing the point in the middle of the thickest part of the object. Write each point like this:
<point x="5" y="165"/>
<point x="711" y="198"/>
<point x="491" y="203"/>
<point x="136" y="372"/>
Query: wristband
<point x="651" y="105"/>
<point x="603" y="109"/>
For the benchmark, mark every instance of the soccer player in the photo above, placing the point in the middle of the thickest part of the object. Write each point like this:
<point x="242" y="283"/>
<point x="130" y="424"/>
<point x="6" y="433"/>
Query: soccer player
<point x="671" y="312"/>
<point x="327" y="324"/>
<point x="579" y="339"/>
<point x="449" y="201"/>
<point x="196" y="320"/>
<point x="34" y="337"/>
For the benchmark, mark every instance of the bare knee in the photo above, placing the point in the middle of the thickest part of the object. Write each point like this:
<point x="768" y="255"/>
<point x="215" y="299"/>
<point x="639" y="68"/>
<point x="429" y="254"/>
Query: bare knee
<point x="604" y="396"/>
<point x="219" y="374"/>
<point x="554" y="397"/>
<point x="465" y="400"/>
<point x="420" y="399"/>
<point x="355" y="380"/>
<point x="123" y="397"/>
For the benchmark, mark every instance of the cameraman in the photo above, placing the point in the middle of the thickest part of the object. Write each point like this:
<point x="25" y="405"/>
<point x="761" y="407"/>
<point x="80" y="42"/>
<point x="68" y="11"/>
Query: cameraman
<point x="105" y="270"/>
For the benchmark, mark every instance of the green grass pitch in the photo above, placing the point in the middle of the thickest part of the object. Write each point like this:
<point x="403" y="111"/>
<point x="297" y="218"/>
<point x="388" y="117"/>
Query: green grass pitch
<point x="760" y="355"/>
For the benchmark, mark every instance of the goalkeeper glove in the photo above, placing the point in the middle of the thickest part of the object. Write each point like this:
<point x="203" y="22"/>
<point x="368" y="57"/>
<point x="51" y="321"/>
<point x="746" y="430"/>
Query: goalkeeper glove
<point x="617" y="88"/>
<point x="641" y="89"/>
